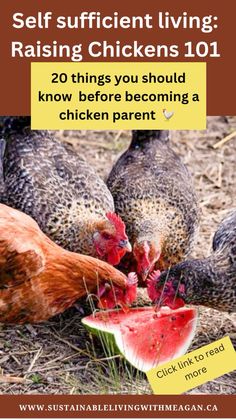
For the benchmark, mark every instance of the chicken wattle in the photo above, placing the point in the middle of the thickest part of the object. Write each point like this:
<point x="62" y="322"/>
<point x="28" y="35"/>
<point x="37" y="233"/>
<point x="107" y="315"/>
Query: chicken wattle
<point x="111" y="296"/>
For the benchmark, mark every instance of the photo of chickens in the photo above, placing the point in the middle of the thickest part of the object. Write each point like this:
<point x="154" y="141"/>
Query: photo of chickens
<point x="93" y="220"/>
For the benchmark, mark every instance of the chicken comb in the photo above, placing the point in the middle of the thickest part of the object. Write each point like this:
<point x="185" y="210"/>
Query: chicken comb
<point x="154" y="276"/>
<point x="117" y="222"/>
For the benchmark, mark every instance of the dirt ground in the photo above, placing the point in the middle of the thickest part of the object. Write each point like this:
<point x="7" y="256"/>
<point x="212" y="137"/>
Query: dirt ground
<point x="60" y="357"/>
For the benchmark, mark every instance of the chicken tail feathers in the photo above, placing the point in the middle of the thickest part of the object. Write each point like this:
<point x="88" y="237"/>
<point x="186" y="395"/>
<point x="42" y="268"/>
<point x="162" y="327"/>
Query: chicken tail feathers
<point x="139" y="137"/>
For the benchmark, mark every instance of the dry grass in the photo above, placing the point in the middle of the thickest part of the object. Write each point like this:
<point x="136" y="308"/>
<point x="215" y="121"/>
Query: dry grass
<point x="59" y="356"/>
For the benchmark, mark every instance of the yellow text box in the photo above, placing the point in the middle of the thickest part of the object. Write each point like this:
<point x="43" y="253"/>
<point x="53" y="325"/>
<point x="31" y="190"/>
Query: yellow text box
<point x="118" y="95"/>
<point x="194" y="368"/>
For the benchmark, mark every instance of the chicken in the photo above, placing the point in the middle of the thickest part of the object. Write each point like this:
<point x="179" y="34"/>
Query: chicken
<point x="210" y="281"/>
<point x="47" y="180"/>
<point x="154" y="195"/>
<point x="39" y="279"/>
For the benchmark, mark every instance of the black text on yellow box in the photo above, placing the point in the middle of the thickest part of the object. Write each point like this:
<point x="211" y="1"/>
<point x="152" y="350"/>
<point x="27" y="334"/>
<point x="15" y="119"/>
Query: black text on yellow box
<point x="106" y="96"/>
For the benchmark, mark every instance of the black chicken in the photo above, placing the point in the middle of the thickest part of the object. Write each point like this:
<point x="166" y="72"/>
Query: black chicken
<point x="210" y="281"/>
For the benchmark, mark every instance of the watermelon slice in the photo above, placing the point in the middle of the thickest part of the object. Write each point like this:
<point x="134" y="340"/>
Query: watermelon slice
<point x="144" y="336"/>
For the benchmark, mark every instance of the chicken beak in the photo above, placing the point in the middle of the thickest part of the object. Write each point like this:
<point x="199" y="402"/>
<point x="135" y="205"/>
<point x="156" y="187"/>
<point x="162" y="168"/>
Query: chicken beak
<point x="125" y="245"/>
<point x="144" y="274"/>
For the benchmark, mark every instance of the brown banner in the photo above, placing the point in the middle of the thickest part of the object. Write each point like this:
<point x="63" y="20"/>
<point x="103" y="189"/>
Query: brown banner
<point x="116" y="406"/>
<point x="15" y="72"/>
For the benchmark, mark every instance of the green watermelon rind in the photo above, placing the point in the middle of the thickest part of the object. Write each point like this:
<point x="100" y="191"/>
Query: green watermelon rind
<point x="107" y="338"/>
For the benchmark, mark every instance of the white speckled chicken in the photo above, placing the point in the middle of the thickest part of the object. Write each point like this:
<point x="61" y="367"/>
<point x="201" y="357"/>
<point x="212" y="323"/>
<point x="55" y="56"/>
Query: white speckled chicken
<point x="47" y="180"/>
<point x="154" y="194"/>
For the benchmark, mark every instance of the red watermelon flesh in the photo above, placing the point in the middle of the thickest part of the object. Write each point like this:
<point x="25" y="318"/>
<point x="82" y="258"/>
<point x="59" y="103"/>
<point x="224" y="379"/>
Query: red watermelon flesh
<point x="145" y="337"/>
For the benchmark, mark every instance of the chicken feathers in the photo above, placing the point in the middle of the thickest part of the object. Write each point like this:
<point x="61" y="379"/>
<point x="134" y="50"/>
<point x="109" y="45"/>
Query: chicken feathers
<point x="47" y="180"/>
<point x="210" y="281"/>
<point x="38" y="279"/>
<point x="154" y="195"/>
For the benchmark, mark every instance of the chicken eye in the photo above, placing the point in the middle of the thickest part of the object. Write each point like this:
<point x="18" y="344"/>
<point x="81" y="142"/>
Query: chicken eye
<point x="106" y="236"/>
